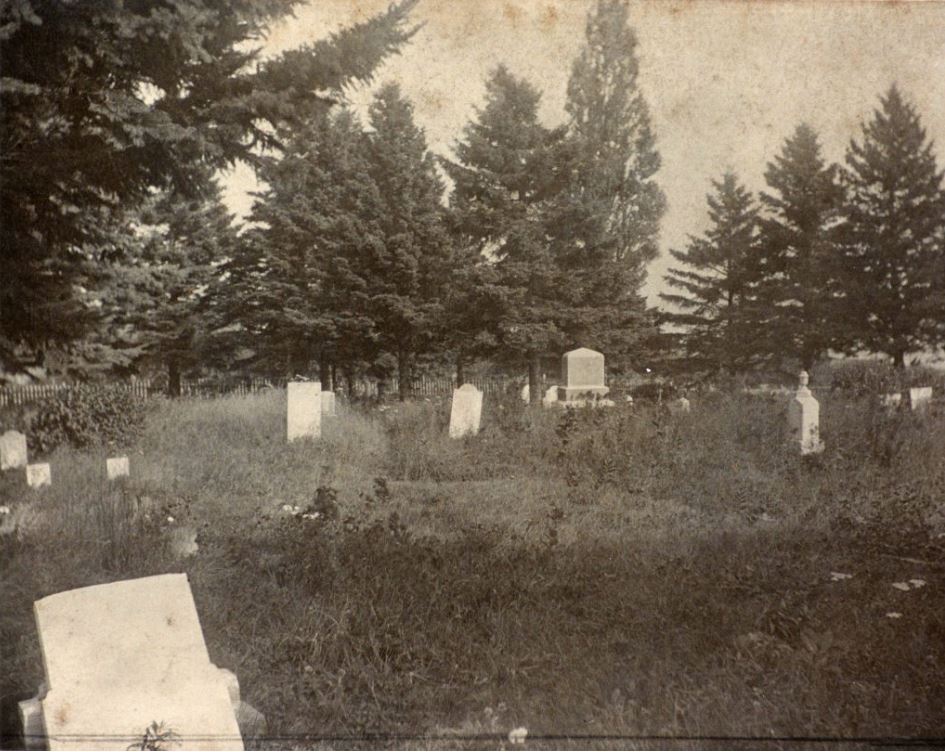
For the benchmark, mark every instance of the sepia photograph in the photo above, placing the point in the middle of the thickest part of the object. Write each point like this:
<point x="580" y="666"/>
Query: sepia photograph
<point x="472" y="374"/>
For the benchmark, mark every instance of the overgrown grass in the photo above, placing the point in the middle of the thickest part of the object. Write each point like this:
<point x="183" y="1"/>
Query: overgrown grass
<point x="595" y="576"/>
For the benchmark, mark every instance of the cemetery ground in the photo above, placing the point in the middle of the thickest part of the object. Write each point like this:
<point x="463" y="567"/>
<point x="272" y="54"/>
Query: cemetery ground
<point x="595" y="576"/>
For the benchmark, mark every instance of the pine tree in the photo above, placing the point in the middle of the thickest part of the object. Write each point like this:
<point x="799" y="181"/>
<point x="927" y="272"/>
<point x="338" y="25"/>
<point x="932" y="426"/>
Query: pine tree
<point x="799" y="294"/>
<point x="606" y="224"/>
<point x="103" y="101"/>
<point x="155" y="294"/>
<point x="412" y="258"/>
<point x="894" y="233"/>
<point x="715" y="282"/>
<point x="504" y="176"/>
<point x="315" y="252"/>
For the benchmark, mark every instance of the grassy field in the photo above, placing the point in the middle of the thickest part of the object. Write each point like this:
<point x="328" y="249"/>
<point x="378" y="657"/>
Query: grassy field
<point x="610" y="578"/>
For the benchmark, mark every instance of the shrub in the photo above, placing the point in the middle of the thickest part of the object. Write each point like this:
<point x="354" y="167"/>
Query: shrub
<point x="86" y="416"/>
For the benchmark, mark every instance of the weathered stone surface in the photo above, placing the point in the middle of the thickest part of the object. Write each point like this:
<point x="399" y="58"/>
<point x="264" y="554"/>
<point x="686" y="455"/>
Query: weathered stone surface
<point x="582" y="372"/>
<point x="525" y="394"/>
<point x="12" y="450"/>
<point x="919" y="398"/>
<point x="303" y="410"/>
<point x="122" y="656"/>
<point x="551" y="396"/>
<point x="804" y="418"/>
<point x="183" y="542"/>
<point x="39" y="475"/>
<point x="117" y="467"/>
<point x="466" y="411"/>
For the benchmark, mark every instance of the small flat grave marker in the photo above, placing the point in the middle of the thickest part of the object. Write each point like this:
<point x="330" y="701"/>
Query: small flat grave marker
<point x="466" y="411"/>
<point x="38" y="475"/>
<point x="123" y="656"/>
<point x="303" y="410"/>
<point x="117" y="467"/>
<point x="328" y="403"/>
<point x="12" y="450"/>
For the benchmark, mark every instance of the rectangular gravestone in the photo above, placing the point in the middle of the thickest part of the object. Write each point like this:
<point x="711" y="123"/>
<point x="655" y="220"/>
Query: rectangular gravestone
<point x="551" y="396"/>
<point x="919" y="398"/>
<point x="117" y="467"/>
<point x="12" y="450"/>
<point x="582" y="371"/>
<point x="122" y="656"/>
<point x="39" y="475"/>
<point x="465" y="412"/>
<point x="303" y="410"/>
<point x="328" y="403"/>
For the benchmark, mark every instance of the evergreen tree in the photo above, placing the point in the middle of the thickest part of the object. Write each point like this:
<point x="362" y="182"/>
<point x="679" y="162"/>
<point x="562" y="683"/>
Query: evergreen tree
<point x="894" y="226"/>
<point x="606" y="223"/>
<point x="504" y="176"/>
<point x="103" y="101"/>
<point x="799" y="294"/>
<point x="411" y="260"/>
<point x="155" y="293"/>
<point x="715" y="281"/>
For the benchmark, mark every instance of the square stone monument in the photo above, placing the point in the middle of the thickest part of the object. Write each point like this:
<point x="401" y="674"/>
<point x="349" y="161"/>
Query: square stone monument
<point x="12" y="450"/>
<point x="465" y="412"/>
<point x="804" y="418"/>
<point x="117" y="467"/>
<point x="123" y="656"/>
<point x="303" y="410"/>
<point x="582" y="372"/>
<point x="39" y="475"/>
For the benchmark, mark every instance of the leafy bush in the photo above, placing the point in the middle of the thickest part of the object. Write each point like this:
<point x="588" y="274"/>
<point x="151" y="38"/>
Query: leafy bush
<point x="86" y="416"/>
<point x="862" y="377"/>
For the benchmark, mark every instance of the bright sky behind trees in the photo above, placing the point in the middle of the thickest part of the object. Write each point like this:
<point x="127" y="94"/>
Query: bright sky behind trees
<point x="726" y="82"/>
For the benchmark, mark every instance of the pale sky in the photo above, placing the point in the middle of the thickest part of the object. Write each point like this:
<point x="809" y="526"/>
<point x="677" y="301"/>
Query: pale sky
<point x="726" y="82"/>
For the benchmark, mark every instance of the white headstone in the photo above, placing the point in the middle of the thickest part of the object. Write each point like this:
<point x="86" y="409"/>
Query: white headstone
<point x="582" y="371"/>
<point x="117" y="467"/>
<point x="892" y="400"/>
<point x="303" y="410"/>
<point x="525" y="393"/>
<point x="551" y="396"/>
<point x="12" y="450"/>
<point x="804" y="418"/>
<point x="466" y="411"/>
<point x="123" y="656"/>
<point x="920" y="397"/>
<point x="38" y="475"/>
<point x="328" y="403"/>
<point x="680" y="405"/>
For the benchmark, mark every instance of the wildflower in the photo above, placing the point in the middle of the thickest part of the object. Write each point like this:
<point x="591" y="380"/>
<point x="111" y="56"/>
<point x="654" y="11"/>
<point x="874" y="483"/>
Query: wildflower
<point x="4" y="509"/>
<point x="917" y="583"/>
<point x="894" y="615"/>
<point x="837" y="576"/>
<point x="517" y="735"/>
<point x="904" y="586"/>
<point x="286" y="507"/>
<point x="169" y="518"/>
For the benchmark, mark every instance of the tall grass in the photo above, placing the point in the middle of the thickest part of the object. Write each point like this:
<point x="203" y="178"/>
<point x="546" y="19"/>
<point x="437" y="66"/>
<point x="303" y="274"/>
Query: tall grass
<point x="598" y="572"/>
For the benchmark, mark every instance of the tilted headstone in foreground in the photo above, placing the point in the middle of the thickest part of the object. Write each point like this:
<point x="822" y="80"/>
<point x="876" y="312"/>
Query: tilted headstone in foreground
<point x="919" y="398"/>
<point x="39" y="475"/>
<point x="804" y="418"/>
<point x="117" y="467"/>
<point x="582" y="371"/>
<point x="466" y="411"/>
<point x="123" y="656"/>
<point x="12" y="450"/>
<point x="303" y="410"/>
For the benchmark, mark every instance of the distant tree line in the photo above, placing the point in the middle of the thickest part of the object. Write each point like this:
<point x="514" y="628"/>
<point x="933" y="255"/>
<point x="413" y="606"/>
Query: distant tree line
<point x="366" y="255"/>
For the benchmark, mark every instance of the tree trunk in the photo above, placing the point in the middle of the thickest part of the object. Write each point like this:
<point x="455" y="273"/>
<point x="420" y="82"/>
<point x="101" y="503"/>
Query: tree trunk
<point x="899" y="359"/>
<point x="324" y="374"/>
<point x="334" y="377"/>
<point x="534" y="380"/>
<point x="403" y="375"/>
<point x="173" y="378"/>
<point x="460" y="370"/>
<point x="349" y="377"/>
